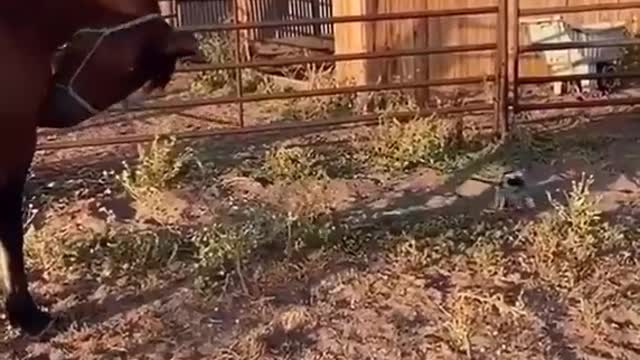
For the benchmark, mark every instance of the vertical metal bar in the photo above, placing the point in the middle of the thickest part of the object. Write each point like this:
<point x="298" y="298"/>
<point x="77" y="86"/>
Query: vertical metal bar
<point x="515" y="50"/>
<point x="297" y="30"/>
<point x="285" y="31"/>
<point x="329" y="13"/>
<point x="427" y="70"/>
<point x="501" y="105"/>
<point x="302" y="29"/>
<point x="315" y="14"/>
<point x="236" y="10"/>
<point x="177" y="22"/>
<point x="260" y="14"/>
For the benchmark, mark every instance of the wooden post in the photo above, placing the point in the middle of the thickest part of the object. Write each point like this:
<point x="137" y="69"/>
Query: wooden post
<point x="382" y="36"/>
<point x="353" y="37"/>
<point x="421" y="70"/>
<point x="241" y="15"/>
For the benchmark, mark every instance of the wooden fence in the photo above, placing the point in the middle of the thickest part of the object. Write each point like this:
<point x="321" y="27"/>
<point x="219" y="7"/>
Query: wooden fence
<point x="394" y="34"/>
<point x="444" y="31"/>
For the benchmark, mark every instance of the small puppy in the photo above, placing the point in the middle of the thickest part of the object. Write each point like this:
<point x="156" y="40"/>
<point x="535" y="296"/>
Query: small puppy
<point x="512" y="191"/>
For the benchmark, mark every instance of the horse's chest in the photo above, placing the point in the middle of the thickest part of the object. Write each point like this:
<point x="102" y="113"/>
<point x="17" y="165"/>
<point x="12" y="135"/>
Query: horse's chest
<point x="24" y="76"/>
<point x="22" y="89"/>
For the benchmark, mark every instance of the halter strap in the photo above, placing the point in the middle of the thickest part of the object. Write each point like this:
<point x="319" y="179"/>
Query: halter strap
<point x="104" y="32"/>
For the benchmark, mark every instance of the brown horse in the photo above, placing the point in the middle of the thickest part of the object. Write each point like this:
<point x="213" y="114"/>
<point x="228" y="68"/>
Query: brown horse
<point x="115" y="47"/>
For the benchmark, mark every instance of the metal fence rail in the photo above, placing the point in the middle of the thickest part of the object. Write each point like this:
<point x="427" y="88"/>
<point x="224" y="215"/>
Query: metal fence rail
<point x="519" y="50"/>
<point x="505" y="78"/>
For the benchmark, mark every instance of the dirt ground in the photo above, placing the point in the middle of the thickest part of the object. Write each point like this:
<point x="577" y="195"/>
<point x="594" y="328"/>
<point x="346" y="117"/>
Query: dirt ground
<point x="415" y="272"/>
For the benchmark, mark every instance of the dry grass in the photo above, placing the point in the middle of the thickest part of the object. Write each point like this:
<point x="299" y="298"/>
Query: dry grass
<point x="568" y="244"/>
<point x="218" y="49"/>
<point x="289" y="274"/>
<point x="159" y="168"/>
<point x="113" y="252"/>
<point x="317" y="107"/>
<point x="461" y="324"/>
<point x="295" y="282"/>
<point x="448" y="286"/>
<point x="225" y="248"/>
<point x="289" y="164"/>
<point x="400" y="146"/>
<point x="396" y="145"/>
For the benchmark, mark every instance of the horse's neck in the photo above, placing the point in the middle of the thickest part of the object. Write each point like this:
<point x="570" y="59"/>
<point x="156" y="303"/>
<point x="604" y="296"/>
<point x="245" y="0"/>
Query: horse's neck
<point x="66" y="17"/>
<point x="53" y="22"/>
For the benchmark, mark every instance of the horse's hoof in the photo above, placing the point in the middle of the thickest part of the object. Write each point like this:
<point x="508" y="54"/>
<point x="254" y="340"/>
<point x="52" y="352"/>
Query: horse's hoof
<point x="28" y="318"/>
<point x="34" y="324"/>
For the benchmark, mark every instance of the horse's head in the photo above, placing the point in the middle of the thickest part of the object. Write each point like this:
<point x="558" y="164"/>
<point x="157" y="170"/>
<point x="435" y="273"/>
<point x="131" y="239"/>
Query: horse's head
<point x="103" y="65"/>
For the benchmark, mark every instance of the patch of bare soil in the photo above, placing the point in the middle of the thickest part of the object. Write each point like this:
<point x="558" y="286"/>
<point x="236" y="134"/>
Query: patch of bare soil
<point x="406" y="283"/>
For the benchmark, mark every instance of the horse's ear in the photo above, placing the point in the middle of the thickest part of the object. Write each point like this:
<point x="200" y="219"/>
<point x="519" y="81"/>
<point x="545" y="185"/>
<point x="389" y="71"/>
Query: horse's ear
<point x="181" y="44"/>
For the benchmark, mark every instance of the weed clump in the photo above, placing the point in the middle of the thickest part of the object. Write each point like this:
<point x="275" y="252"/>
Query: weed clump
<point x="224" y="249"/>
<point x="402" y="146"/>
<point x="290" y="164"/>
<point x="159" y="168"/>
<point x="567" y="244"/>
<point x="218" y="49"/>
<point x="114" y="252"/>
<point x="318" y="107"/>
<point x="394" y="145"/>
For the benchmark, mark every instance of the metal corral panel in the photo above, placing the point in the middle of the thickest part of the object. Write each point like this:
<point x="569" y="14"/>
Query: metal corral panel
<point x="200" y="12"/>
<point x="308" y="9"/>
<point x="602" y="31"/>
<point x="576" y="61"/>
<point x="206" y="12"/>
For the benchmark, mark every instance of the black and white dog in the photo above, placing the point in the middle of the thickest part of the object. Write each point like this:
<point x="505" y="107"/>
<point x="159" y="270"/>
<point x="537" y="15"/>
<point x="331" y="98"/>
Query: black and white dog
<point x="512" y="191"/>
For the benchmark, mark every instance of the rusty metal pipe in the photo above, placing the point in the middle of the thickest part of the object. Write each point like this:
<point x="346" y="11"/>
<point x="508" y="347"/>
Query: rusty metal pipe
<point x="554" y="10"/>
<point x="344" y="19"/>
<point x="578" y="45"/>
<point x="342" y="57"/>
<point x="361" y="120"/>
<point x="553" y="78"/>
<point x="515" y="56"/>
<point x="631" y="101"/>
<point x="239" y="89"/>
<point x="309" y="93"/>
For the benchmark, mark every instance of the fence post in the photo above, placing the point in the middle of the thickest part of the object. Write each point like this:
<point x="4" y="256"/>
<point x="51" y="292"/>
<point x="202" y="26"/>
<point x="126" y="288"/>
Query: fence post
<point x="236" y="19"/>
<point x="501" y="103"/>
<point x="514" y="14"/>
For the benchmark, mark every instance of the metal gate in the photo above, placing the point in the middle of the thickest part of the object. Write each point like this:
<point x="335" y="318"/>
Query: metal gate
<point x="208" y="12"/>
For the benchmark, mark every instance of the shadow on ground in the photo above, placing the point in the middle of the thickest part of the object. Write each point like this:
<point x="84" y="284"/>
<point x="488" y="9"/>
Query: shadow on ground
<point x="606" y="147"/>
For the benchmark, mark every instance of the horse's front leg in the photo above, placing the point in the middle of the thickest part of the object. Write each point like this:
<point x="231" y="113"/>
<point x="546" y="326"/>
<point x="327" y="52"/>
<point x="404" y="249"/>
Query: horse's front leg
<point x="21" y="309"/>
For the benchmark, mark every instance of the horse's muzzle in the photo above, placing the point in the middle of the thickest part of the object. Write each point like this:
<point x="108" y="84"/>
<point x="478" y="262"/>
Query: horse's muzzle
<point x="61" y="109"/>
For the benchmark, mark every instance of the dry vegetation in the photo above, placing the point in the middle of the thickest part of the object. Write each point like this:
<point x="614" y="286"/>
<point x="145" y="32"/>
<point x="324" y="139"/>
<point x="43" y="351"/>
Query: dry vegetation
<point x="180" y="257"/>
